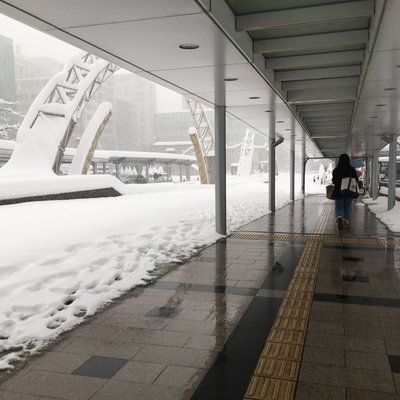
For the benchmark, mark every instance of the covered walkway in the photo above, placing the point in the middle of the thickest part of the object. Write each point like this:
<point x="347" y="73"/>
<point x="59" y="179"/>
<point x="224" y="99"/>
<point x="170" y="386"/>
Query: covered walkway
<point x="285" y="308"/>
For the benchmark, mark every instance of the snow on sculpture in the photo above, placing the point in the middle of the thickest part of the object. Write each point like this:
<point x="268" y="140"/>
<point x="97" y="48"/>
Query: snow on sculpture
<point x="87" y="145"/>
<point x="203" y="141"/>
<point x="49" y="123"/>
<point x="246" y="155"/>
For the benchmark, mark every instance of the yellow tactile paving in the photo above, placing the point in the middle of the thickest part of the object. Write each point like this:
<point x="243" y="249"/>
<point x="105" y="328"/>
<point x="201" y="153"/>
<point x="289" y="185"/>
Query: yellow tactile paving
<point x="261" y="388"/>
<point x="309" y="238"/>
<point x="282" y="351"/>
<point x="277" y="369"/>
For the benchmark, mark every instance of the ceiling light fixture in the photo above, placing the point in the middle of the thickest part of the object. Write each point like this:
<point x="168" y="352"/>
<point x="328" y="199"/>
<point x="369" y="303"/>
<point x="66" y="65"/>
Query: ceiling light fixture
<point x="390" y="88"/>
<point x="381" y="105"/>
<point x="230" y="79"/>
<point x="374" y="117"/>
<point x="189" y="46"/>
<point x="279" y="122"/>
<point x="254" y="97"/>
<point x="268" y="110"/>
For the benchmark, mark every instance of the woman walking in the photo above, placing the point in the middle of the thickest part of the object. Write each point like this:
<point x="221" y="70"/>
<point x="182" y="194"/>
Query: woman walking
<point x="342" y="200"/>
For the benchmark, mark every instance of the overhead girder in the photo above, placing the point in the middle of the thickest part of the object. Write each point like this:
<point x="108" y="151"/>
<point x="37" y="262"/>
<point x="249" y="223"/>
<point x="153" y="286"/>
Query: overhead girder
<point x="344" y="93"/>
<point x="321" y="42"/>
<point x="318" y="73"/>
<point x="320" y="83"/>
<point x="337" y="58"/>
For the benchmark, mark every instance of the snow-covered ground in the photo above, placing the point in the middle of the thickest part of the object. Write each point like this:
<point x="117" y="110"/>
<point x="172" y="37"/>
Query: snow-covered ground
<point x="63" y="260"/>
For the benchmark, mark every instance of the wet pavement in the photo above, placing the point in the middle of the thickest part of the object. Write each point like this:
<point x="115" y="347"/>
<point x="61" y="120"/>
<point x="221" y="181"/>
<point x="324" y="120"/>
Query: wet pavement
<point x="327" y="302"/>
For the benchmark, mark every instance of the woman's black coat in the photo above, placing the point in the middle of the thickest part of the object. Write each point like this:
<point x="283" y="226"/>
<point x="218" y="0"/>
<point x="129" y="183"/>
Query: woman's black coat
<point x="337" y="176"/>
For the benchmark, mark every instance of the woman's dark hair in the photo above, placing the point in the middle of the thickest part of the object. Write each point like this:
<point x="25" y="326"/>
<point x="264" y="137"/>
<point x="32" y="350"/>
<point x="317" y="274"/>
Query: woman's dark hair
<point x="344" y="162"/>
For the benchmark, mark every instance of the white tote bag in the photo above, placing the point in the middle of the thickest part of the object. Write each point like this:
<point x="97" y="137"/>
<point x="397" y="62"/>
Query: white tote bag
<point x="349" y="187"/>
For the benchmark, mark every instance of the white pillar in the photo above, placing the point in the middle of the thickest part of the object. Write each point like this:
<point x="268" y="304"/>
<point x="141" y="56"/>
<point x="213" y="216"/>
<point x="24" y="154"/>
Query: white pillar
<point x="392" y="172"/>
<point x="220" y="169"/>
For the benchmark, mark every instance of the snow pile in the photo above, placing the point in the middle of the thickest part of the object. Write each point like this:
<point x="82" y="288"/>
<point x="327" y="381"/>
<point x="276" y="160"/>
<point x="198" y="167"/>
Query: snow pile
<point x="379" y="207"/>
<point x="15" y="187"/>
<point x="63" y="260"/>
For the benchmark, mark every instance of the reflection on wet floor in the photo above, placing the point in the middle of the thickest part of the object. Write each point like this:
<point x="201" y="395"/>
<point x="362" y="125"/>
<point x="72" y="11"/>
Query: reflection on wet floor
<point x="199" y="330"/>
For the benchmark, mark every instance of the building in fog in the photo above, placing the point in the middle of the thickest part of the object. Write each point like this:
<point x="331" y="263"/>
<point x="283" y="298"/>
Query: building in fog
<point x="7" y="75"/>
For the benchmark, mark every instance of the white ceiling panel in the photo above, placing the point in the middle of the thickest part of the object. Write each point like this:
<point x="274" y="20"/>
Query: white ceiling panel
<point x="206" y="79"/>
<point x="145" y="44"/>
<point x="75" y="13"/>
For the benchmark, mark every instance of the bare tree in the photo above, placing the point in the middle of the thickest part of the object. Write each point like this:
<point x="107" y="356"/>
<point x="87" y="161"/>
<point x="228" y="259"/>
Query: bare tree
<point x="10" y="119"/>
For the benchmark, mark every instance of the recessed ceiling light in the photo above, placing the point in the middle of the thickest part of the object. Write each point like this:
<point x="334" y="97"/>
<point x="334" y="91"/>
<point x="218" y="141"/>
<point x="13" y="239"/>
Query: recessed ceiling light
<point x="374" y="117"/>
<point x="189" y="46"/>
<point x="381" y="105"/>
<point x="230" y="79"/>
<point x="390" y="88"/>
<point x="370" y="126"/>
<point x="254" y="97"/>
<point x="288" y="129"/>
<point x="279" y="122"/>
<point x="268" y="110"/>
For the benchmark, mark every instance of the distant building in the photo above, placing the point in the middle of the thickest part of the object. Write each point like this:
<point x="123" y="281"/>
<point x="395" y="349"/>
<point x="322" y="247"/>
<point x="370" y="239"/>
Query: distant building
<point x="7" y="75"/>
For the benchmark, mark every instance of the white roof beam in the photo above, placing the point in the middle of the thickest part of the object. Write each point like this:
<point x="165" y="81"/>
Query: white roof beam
<point x="330" y="136"/>
<point x="304" y="15"/>
<point x="338" y="58"/>
<point x="327" y="94"/>
<point x="326" y="113"/>
<point x="319" y="83"/>
<point x="318" y="73"/>
<point x="309" y="42"/>
<point x="310" y="122"/>
<point x="326" y="107"/>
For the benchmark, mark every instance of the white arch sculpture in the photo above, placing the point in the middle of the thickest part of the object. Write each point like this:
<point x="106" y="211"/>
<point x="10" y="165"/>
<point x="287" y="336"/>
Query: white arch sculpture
<point x="50" y="121"/>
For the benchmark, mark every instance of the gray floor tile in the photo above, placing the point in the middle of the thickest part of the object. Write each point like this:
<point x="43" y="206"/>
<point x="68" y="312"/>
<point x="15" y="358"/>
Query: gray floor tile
<point x="6" y="395"/>
<point x="140" y="371"/>
<point x="59" y="362"/>
<point x="310" y="391"/>
<point x="378" y="381"/>
<point x="65" y="386"/>
<point x="120" y="390"/>
<point x="151" y="336"/>
<point x="180" y="377"/>
<point x="101" y="347"/>
<point x="358" y="394"/>
<point x="175" y="356"/>
<point x="206" y="342"/>
<point x="334" y="328"/>
<point x="362" y="360"/>
<point x="99" y="331"/>
<point x="319" y="355"/>
<point x="100" y="367"/>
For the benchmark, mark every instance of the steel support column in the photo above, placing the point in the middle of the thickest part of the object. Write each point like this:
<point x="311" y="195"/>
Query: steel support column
<point x="271" y="161"/>
<point x="180" y="172"/>
<point x="188" y="173"/>
<point x="374" y="175"/>
<point x="366" y="175"/>
<point x="220" y="169"/>
<point x="303" y="166"/>
<point x="392" y="172"/>
<point x="292" y="160"/>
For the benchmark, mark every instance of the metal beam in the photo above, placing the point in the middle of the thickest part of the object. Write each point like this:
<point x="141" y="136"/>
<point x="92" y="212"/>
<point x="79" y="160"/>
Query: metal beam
<point x="338" y="58"/>
<point x="328" y="94"/>
<point x="220" y="169"/>
<point x="292" y="159"/>
<point x="328" y="118"/>
<point x="304" y="15"/>
<point x="326" y="113"/>
<point x="318" y="73"/>
<point x="319" y="83"/>
<point x="325" y="107"/>
<point x="310" y="42"/>
<point x="329" y="136"/>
